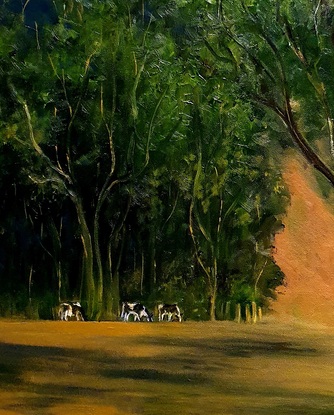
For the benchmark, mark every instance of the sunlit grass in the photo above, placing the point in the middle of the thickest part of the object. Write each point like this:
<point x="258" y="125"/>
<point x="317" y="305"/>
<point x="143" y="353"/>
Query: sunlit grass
<point x="190" y="368"/>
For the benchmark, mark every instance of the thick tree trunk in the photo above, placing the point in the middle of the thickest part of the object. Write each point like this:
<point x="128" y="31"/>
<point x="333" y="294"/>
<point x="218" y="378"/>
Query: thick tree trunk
<point x="110" y="274"/>
<point x="107" y="294"/>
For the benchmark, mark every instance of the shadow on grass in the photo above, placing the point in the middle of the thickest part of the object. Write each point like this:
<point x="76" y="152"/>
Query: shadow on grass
<point x="239" y="347"/>
<point x="49" y="376"/>
<point x="154" y="375"/>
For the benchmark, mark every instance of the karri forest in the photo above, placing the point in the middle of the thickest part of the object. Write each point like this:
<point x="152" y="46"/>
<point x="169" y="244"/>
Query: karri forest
<point x="141" y="146"/>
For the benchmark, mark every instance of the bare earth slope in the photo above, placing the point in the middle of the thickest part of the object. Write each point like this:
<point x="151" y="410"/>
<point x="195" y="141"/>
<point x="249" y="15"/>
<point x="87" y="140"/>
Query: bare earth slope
<point x="305" y="249"/>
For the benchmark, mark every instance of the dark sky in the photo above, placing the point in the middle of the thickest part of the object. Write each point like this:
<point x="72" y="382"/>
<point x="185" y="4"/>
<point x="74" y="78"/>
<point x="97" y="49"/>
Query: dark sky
<point x="39" y="11"/>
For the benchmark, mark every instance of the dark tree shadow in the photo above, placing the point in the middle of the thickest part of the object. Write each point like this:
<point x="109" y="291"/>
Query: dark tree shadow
<point x="188" y="367"/>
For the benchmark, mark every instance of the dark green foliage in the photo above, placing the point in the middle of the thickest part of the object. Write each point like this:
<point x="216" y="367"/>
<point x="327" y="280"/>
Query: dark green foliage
<point x="134" y="164"/>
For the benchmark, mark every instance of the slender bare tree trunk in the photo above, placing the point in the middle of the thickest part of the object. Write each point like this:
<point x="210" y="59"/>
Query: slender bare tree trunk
<point x="87" y="294"/>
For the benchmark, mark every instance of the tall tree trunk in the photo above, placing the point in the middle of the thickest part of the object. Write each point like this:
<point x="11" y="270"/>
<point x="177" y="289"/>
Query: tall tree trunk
<point x="213" y="289"/>
<point x="100" y="272"/>
<point x="110" y="273"/>
<point x="110" y="286"/>
<point x="115" y="283"/>
<point x="149" y="264"/>
<point x="213" y="306"/>
<point x="87" y="294"/>
<point x="56" y="242"/>
<point x="106" y="312"/>
<point x="99" y="278"/>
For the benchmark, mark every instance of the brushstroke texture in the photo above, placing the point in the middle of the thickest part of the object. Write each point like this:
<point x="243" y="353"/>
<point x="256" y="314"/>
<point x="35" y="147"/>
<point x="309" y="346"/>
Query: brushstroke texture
<point x="305" y="249"/>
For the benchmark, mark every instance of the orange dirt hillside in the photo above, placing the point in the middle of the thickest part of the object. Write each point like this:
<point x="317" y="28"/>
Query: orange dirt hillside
<point x="305" y="249"/>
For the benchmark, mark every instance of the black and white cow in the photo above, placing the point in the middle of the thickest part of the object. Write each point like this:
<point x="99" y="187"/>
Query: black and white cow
<point x="172" y="312"/>
<point x="64" y="311"/>
<point x="137" y="310"/>
<point x="71" y="309"/>
<point x="78" y="311"/>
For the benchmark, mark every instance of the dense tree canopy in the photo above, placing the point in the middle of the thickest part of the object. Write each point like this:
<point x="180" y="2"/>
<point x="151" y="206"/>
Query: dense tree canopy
<point x="140" y="146"/>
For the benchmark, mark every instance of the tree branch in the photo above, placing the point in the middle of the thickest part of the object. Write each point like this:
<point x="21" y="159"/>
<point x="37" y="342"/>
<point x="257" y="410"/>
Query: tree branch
<point x="60" y="172"/>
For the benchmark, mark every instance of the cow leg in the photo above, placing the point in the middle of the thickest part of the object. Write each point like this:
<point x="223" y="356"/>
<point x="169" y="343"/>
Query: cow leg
<point x="129" y="314"/>
<point x="144" y="314"/>
<point x="135" y="316"/>
<point x="178" y="314"/>
<point x="123" y="313"/>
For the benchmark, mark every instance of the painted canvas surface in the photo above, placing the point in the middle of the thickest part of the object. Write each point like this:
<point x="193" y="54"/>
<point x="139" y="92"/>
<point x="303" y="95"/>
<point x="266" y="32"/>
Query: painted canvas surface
<point x="167" y="207"/>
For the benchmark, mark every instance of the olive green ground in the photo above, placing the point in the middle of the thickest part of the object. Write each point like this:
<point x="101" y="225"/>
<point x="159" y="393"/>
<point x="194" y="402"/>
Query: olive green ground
<point x="114" y="368"/>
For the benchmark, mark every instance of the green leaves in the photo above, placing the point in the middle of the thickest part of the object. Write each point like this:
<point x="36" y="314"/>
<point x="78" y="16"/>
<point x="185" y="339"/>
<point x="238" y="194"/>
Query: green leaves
<point x="142" y="116"/>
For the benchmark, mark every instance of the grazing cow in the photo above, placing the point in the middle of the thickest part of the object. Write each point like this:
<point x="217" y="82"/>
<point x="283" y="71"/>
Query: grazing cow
<point x="71" y="309"/>
<point x="172" y="312"/>
<point x="65" y="311"/>
<point x="137" y="310"/>
<point x="78" y="311"/>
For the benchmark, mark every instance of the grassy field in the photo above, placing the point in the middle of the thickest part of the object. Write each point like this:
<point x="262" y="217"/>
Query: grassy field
<point x="114" y="368"/>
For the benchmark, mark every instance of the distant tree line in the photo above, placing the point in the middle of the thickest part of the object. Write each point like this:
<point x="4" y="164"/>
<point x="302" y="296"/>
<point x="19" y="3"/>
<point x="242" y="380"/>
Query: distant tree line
<point x="140" y="148"/>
